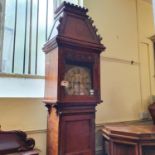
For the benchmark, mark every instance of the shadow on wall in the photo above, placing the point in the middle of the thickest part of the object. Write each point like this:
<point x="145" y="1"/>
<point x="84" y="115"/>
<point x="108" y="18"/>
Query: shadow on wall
<point x="99" y="141"/>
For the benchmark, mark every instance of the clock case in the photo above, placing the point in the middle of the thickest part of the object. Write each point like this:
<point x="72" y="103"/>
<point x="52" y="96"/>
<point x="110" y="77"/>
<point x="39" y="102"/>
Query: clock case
<point x="71" y="118"/>
<point x="73" y="41"/>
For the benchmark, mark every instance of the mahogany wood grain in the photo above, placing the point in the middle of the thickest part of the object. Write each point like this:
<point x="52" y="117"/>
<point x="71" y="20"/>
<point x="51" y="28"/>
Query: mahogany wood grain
<point x="51" y="75"/>
<point x="52" y="132"/>
<point x="78" y="134"/>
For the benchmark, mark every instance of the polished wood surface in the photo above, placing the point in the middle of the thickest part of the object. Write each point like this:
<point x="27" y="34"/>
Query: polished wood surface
<point x="124" y="139"/>
<point x="78" y="132"/>
<point x="53" y="132"/>
<point x="71" y="118"/>
<point x="16" y="142"/>
<point x="51" y="76"/>
<point x="71" y="130"/>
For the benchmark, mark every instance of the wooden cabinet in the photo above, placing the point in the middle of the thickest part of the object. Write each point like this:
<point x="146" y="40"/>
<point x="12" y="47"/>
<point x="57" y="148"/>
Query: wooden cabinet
<point x="123" y="139"/>
<point x="72" y="85"/>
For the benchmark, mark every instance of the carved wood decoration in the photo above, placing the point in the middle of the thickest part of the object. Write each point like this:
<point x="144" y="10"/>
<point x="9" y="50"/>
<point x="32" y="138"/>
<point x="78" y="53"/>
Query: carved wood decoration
<point x="15" y="141"/>
<point x="72" y="86"/>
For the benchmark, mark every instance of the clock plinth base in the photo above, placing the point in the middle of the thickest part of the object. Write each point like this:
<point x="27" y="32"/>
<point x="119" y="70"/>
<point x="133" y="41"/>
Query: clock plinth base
<point x="71" y="130"/>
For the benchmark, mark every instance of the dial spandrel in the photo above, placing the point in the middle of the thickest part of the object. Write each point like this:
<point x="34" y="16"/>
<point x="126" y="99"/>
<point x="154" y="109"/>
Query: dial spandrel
<point x="78" y="79"/>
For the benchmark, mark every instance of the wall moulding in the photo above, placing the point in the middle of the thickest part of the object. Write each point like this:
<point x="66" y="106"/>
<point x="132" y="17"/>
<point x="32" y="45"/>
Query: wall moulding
<point x="117" y="60"/>
<point x="39" y="131"/>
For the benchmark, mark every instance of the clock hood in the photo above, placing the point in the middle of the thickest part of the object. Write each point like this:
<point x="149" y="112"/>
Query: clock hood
<point x="73" y="27"/>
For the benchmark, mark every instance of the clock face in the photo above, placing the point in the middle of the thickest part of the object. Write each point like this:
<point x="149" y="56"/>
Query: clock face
<point x="78" y="79"/>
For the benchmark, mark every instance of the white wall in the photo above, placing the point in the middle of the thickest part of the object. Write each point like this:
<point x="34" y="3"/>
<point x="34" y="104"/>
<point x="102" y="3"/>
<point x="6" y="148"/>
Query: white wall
<point x="146" y="30"/>
<point x="124" y="25"/>
<point x="21" y="87"/>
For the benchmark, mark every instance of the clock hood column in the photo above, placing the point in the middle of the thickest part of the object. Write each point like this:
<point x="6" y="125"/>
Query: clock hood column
<point x="72" y="85"/>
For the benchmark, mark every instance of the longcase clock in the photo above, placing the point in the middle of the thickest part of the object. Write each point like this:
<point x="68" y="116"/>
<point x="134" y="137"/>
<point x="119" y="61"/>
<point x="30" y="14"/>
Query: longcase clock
<point x="72" y="86"/>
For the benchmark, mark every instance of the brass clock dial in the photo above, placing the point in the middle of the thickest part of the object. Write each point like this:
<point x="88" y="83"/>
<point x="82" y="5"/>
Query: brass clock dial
<point x="79" y="80"/>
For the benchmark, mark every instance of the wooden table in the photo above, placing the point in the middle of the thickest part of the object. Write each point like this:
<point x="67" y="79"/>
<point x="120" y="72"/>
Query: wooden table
<point x="129" y="139"/>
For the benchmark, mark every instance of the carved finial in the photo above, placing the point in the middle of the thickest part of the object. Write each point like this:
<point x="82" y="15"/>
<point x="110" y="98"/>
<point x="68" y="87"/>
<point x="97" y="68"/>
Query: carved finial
<point x="95" y="29"/>
<point x="100" y="38"/>
<point x="58" y="27"/>
<point x="64" y="2"/>
<point x="70" y="6"/>
<point x="86" y="9"/>
<point x="60" y="19"/>
<point x="90" y="19"/>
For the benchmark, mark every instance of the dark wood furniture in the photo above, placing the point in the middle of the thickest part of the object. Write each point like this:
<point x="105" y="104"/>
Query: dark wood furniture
<point x="129" y="139"/>
<point x="72" y="86"/>
<point x="16" y="143"/>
